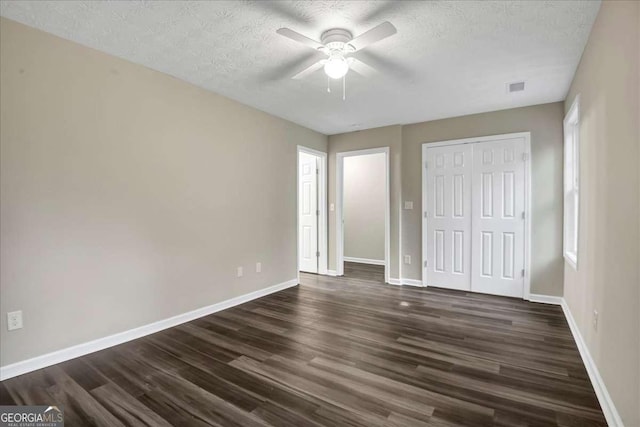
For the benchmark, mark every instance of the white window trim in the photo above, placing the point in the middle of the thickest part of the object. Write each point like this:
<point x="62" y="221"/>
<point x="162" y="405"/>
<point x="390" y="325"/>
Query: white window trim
<point x="572" y="122"/>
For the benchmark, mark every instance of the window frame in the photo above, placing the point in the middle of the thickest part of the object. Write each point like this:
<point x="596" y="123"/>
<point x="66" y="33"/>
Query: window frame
<point x="571" y="190"/>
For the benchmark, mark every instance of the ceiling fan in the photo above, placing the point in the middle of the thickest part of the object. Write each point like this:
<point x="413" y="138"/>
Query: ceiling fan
<point x="338" y="44"/>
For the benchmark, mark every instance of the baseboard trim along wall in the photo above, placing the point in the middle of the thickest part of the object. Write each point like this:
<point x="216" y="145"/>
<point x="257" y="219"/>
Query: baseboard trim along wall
<point x="412" y="282"/>
<point x="608" y="408"/>
<point x="407" y="282"/>
<point x="69" y="353"/>
<point x="545" y="299"/>
<point x="364" y="260"/>
<point x="332" y="273"/>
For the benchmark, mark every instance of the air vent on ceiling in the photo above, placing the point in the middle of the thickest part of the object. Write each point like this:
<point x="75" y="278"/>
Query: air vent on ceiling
<point x="515" y="87"/>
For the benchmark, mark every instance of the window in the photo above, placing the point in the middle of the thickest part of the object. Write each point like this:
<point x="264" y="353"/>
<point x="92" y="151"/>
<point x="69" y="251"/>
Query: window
<point x="572" y="182"/>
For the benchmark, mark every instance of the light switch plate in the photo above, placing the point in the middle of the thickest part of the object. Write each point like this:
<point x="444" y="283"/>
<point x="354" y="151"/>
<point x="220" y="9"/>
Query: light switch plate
<point x="239" y="271"/>
<point x="258" y="267"/>
<point x="407" y="259"/>
<point x="408" y="205"/>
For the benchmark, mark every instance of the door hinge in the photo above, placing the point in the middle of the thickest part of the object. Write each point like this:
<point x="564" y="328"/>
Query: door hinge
<point x="525" y="157"/>
<point x="523" y="215"/>
<point x="426" y="263"/>
<point x="318" y="212"/>
<point x="317" y="254"/>
<point x="426" y="165"/>
<point x="523" y="272"/>
<point x="426" y="214"/>
<point x="317" y="171"/>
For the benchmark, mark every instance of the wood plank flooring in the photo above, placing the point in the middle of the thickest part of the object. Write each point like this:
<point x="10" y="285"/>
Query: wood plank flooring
<point x="346" y="351"/>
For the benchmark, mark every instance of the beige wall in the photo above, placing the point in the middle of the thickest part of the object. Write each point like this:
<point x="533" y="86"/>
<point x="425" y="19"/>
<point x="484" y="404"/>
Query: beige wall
<point x="545" y="124"/>
<point x="128" y="196"/>
<point x="364" y="206"/>
<point x="608" y="279"/>
<point x="389" y="136"/>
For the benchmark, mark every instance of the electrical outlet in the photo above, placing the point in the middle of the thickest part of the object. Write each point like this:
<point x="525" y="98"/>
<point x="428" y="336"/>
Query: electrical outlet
<point x="258" y="267"/>
<point x="239" y="271"/>
<point x="595" y="320"/>
<point x="407" y="259"/>
<point x="14" y="320"/>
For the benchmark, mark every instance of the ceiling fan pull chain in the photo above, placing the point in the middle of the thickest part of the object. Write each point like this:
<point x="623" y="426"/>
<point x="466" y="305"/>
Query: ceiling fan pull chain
<point x="328" y="84"/>
<point x="344" y="87"/>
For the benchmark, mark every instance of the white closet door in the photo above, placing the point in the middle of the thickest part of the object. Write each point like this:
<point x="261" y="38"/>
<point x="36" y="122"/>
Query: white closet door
<point x="448" y="216"/>
<point x="498" y="217"/>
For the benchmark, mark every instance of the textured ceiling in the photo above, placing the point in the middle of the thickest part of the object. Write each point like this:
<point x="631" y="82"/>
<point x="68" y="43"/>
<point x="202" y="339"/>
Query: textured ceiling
<point x="449" y="58"/>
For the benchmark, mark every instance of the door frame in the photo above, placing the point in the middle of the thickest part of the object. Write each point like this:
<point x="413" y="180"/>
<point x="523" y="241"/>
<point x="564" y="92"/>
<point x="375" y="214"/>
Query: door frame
<point x="526" y="292"/>
<point x="322" y="207"/>
<point x="340" y="214"/>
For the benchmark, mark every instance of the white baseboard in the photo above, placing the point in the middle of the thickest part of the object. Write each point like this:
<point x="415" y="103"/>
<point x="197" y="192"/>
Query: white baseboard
<point x="39" y="362"/>
<point x="412" y="282"/>
<point x="332" y="273"/>
<point x="364" y="260"/>
<point x="402" y="282"/>
<point x="608" y="408"/>
<point x="545" y="299"/>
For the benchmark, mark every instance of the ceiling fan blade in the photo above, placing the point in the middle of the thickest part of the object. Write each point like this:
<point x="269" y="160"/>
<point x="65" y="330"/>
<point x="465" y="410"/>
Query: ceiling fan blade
<point x="284" y="11"/>
<point x="284" y="69"/>
<point x="375" y="34"/>
<point x="361" y="68"/>
<point x="389" y="8"/>
<point x="306" y="71"/>
<point x="295" y="36"/>
<point x="385" y="66"/>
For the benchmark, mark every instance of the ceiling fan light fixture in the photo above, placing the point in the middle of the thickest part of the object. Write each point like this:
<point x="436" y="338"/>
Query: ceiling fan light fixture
<point x="336" y="66"/>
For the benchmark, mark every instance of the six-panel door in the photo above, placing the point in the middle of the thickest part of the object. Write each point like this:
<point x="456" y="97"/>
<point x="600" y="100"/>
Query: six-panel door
<point x="448" y="211"/>
<point x="498" y="217"/>
<point x="475" y="217"/>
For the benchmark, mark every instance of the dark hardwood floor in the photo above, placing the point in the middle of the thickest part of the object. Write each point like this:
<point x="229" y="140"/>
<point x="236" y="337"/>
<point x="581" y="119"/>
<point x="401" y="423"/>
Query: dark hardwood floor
<point x="346" y="351"/>
<point x="358" y="273"/>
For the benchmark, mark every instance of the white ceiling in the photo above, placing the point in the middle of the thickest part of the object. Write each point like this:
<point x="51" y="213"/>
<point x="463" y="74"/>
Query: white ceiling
<point x="449" y="58"/>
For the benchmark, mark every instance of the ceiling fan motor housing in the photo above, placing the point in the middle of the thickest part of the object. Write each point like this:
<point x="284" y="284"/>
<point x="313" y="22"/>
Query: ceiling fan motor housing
<point x="337" y="39"/>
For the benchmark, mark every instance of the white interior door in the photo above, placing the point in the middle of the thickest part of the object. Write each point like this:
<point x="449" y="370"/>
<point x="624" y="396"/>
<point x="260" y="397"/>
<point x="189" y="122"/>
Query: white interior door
<point x="448" y="216"/>
<point x="308" y="212"/>
<point x="498" y="195"/>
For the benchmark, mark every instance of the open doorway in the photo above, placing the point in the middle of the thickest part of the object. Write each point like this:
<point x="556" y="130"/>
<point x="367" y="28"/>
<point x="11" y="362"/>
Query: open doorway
<point x="362" y="205"/>
<point x="311" y="211"/>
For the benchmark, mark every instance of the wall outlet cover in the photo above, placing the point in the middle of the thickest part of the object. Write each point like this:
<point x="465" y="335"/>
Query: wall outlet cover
<point x="240" y="272"/>
<point x="258" y="267"/>
<point x="14" y="320"/>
